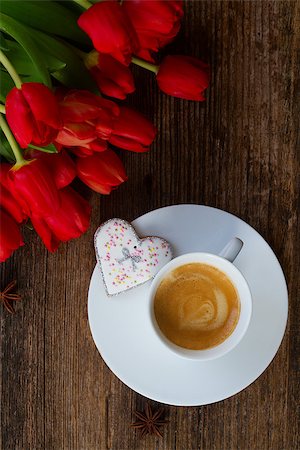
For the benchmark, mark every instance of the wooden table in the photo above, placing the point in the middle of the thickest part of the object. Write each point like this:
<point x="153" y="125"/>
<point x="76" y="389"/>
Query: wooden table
<point x="237" y="151"/>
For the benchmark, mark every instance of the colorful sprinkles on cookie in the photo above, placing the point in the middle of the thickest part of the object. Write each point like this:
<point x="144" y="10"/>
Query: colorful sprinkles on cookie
<point x="126" y="260"/>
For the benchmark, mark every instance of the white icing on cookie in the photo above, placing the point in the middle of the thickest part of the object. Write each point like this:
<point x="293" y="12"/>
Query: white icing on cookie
<point x="127" y="261"/>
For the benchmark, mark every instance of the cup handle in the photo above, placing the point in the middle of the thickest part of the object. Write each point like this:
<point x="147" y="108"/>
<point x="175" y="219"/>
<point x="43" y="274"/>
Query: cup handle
<point x="232" y="249"/>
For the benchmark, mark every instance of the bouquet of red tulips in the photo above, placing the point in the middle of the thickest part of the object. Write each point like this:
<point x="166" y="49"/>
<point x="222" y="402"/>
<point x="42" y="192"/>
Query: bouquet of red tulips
<point x="59" y="62"/>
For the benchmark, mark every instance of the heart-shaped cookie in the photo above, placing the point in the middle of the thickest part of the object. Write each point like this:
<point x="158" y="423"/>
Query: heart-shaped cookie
<point x="126" y="261"/>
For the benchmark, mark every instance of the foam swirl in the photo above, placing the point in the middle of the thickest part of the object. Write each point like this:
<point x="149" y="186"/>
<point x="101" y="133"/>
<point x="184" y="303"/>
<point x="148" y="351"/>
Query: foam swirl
<point x="203" y="313"/>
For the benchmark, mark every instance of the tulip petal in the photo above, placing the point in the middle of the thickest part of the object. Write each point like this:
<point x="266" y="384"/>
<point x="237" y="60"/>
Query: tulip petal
<point x="108" y="105"/>
<point x="34" y="187"/>
<point x="77" y="109"/>
<point x="108" y="86"/>
<point x="156" y="22"/>
<point x="146" y="54"/>
<point x="5" y="182"/>
<point x="86" y="97"/>
<point x="19" y="117"/>
<point x="76" y="135"/>
<point x="132" y="131"/>
<point x="110" y="29"/>
<point x="61" y="165"/>
<point x="49" y="239"/>
<point x="113" y="78"/>
<point x="81" y="130"/>
<point x="43" y="134"/>
<point x="4" y="171"/>
<point x="10" y="236"/>
<point x="104" y="189"/>
<point x="101" y="171"/>
<point x="128" y="144"/>
<point x="104" y="125"/>
<point x="81" y="152"/>
<point x="69" y="141"/>
<point x="43" y="103"/>
<point x="112" y="68"/>
<point x="112" y="168"/>
<point x="82" y="106"/>
<point x="184" y="77"/>
<point x="10" y="204"/>
<point x="63" y="169"/>
<point x="99" y="145"/>
<point x="73" y="218"/>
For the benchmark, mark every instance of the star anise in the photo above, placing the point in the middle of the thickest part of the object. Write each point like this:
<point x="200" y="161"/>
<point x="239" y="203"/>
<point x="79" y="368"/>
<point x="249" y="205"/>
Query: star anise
<point x="7" y="297"/>
<point x="149" y="422"/>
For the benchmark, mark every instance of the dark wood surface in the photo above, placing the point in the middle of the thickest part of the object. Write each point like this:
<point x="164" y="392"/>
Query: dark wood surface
<point x="238" y="151"/>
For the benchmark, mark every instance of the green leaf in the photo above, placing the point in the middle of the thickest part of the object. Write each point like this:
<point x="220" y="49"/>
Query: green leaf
<point x="22" y="35"/>
<point x="47" y="149"/>
<point x="72" y="6"/>
<point x="74" y="74"/>
<point x="48" y="16"/>
<point x="3" y="42"/>
<point x="33" y="77"/>
<point x="5" y="149"/>
<point x="23" y="64"/>
<point x="6" y="85"/>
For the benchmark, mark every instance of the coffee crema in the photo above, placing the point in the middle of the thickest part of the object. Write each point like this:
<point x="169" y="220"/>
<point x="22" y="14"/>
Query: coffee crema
<point x="196" y="306"/>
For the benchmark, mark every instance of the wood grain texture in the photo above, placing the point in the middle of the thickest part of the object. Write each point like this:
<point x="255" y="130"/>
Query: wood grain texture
<point x="238" y="151"/>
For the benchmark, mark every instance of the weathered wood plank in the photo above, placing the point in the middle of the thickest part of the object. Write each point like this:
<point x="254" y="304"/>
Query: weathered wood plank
<point x="238" y="151"/>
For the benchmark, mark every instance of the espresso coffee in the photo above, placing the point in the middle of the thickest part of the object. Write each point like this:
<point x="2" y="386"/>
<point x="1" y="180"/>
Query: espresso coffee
<point x="196" y="306"/>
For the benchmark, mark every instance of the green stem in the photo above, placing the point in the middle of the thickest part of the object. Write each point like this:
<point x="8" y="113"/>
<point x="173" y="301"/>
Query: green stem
<point x="10" y="69"/>
<point x="84" y="3"/>
<point x="145" y="64"/>
<point x="2" y="109"/>
<point x="12" y="142"/>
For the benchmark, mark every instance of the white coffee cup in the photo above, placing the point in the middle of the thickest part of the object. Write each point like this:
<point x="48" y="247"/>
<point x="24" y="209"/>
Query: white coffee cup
<point x="238" y="280"/>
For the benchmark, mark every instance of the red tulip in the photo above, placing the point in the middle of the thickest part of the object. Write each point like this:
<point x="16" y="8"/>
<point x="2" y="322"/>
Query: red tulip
<point x="10" y="204"/>
<point x="102" y="172"/>
<point x="113" y="78"/>
<point x="7" y="200"/>
<point x="4" y="169"/>
<point x="184" y="77"/>
<point x="73" y="217"/>
<point x="69" y="222"/>
<point x="49" y="239"/>
<point x="32" y="114"/>
<point x="61" y="166"/>
<point x="156" y="23"/>
<point x="132" y="131"/>
<point x="87" y="120"/>
<point x="110" y="29"/>
<point x="10" y="236"/>
<point x="34" y="188"/>
<point x="79" y="105"/>
<point x="81" y="152"/>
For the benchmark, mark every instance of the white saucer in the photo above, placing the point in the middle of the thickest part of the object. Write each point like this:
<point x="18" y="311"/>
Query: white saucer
<point x="123" y="334"/>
